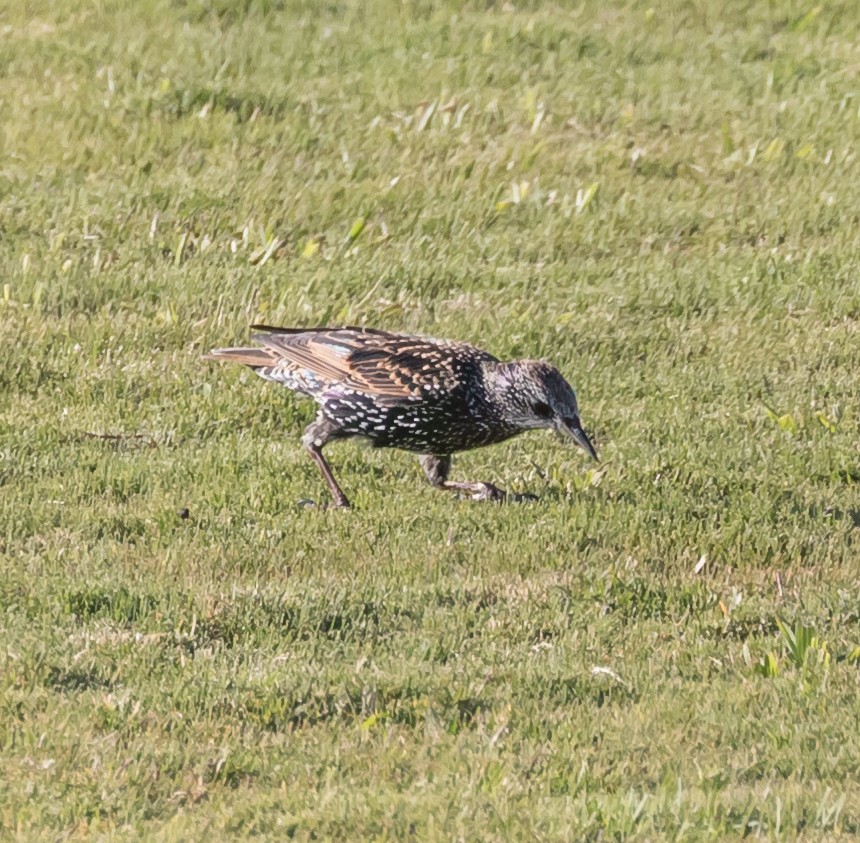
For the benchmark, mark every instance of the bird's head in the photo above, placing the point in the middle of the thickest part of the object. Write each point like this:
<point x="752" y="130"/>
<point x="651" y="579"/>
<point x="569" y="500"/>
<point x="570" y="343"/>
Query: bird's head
<point x="534" y="395"/>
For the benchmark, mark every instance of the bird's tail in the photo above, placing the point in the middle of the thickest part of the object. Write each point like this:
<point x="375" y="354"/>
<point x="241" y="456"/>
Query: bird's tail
<point x="253" y="357"/>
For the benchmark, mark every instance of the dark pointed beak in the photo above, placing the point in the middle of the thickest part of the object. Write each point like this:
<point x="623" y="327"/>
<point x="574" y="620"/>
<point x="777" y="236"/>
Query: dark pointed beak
<point x="572" y="428"/>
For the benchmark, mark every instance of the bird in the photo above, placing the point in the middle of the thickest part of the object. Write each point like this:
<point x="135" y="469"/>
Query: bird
<point x="433" y="397"/>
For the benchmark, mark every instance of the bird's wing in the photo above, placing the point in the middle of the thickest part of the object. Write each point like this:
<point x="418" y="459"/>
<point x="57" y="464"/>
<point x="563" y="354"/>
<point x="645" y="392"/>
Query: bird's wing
<point x="393" y="368"/>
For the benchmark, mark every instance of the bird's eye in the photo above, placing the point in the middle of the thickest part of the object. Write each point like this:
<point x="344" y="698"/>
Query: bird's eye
<point x="541" y="410"/>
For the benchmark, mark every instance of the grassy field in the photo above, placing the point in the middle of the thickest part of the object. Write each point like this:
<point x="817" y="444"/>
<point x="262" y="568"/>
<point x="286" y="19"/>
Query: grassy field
<point x="662" y="198"/>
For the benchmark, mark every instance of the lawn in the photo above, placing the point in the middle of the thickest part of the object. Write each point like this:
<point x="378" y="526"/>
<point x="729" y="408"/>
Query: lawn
<point x="661" y="198"/>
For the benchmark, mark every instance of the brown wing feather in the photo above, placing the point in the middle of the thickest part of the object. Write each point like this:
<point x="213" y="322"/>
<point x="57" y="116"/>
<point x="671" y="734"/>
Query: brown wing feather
<point x="312" y="351"/>
<point x="391" y="367"/>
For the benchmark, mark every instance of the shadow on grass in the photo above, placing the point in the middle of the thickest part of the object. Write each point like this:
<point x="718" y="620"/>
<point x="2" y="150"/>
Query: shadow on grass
<point x="119" y="605"/>
<point x="68" y="681"/>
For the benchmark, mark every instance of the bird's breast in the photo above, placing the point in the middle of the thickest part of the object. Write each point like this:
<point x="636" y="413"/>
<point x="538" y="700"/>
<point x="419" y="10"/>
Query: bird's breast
<point x="422" y="426"/>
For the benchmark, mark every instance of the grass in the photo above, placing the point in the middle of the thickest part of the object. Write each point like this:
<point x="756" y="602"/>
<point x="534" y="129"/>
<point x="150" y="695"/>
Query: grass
<point x="661" y="198"/>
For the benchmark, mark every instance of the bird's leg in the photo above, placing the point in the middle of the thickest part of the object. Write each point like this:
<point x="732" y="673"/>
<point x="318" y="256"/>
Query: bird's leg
<point x="316" y="434"/>
<point x="438" y="468"/>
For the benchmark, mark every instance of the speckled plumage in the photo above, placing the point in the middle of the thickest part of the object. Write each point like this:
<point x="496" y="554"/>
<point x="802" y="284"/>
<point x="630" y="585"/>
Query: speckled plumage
<point x="430" y="396"/>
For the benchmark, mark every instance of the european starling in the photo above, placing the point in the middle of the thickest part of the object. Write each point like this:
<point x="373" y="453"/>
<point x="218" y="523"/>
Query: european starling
<point x="429" y="396"/>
